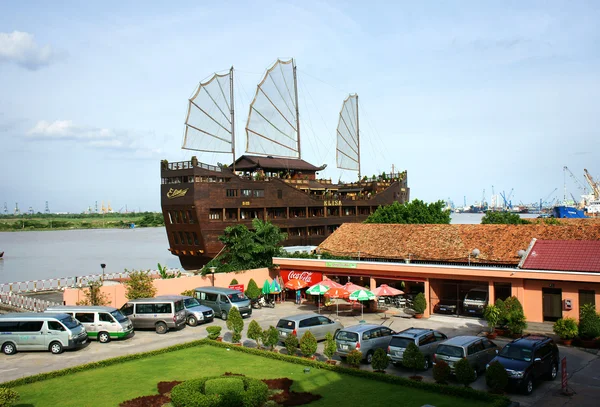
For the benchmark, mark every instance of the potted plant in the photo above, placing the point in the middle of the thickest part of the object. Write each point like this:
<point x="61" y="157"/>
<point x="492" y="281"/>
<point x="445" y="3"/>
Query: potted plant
<point x="491" y="315"/>
<point x="354" y="357"/>
<point x="214" y="332"/>
<point x="329" y="349"/>
<point x="419" y="305"/>
<point x="496" y="377"/>
<point x="589" y="325"/>
<point x="291" y="345"/>
<point x="308" y="345"/>
<point x="380" y="361"/>
<point x="566" y="329"/>
<point x="270" y="337"/>
<point x="441" y="372"/>
<point x="255" y="333"/>
<point x="414" y="359"/>
<point x="235" y="324"/>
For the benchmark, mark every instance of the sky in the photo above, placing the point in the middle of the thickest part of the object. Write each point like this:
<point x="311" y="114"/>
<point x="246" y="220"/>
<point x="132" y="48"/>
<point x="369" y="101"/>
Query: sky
<point x="468" y="97"/>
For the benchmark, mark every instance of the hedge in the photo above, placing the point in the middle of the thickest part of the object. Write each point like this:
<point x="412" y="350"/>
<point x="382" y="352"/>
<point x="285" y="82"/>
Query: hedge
<point x="465" y="392"/>
<point x="220" y="391"/>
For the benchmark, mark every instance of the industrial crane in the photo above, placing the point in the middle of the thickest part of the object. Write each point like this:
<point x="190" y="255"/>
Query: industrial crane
<point x="507" y="202"/>
<point x="579" y="184"/>
<point x="543" y="201"/>
<point x="594" y="185"/>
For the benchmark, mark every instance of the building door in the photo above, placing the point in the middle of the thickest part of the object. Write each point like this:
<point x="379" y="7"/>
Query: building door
<point x="551" y="299"/>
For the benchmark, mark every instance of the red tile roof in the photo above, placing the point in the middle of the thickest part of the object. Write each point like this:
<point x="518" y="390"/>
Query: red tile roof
<point x="448" y="243"/>
<point x="564" y="255"/>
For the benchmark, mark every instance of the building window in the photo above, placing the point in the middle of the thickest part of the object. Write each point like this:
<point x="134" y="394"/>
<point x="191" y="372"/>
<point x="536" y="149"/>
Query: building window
<point x="215" y="214"/>
<point x="279" y="194"/>
<point x="259" y="193"/>
<point x="246" y="193"/>
<point x="587" y="297"/>
<point x="232" y="192"/>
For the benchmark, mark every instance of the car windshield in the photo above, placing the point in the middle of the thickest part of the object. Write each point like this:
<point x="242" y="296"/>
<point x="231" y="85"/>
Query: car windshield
<point x="118" y="316"/>
<point x="238" y="297"/>
<point x="400" y="342"/>
<point x="452" y="351"/>
<point x="191" y="302"/>
<point x="476" y="295"/>
<point x="70" y="322"/>
<point x="347" y="336"/>
<point x="516" y="352"/>
<point x="284" y="323"/>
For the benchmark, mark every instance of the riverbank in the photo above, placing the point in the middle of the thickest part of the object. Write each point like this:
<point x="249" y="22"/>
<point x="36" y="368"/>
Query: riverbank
<point x="42" y="222"/>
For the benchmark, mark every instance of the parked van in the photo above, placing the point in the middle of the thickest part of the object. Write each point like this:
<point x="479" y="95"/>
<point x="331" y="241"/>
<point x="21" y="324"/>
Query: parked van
<point x="477" y="350"/>
<point x="195" y="313"/>
<point x="160" y="314"/>
<point x="475" y="300"/>
<point x="297" y="325"/>
<point x="366" y="338"/>
<point x="40" y="331"/>
<point x="221" y="300"/>
<point x="101" y="323"/>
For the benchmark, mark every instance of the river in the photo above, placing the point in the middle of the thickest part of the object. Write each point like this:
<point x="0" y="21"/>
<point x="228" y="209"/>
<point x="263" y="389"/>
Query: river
<point x="68" y="253"/>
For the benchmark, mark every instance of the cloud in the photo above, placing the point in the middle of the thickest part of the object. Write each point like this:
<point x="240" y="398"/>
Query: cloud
<point x="20" y="48"/>
<point x="67" y="130"/>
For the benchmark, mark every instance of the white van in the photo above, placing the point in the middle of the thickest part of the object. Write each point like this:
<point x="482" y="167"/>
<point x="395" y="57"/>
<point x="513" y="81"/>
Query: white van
<point x="40" y="331"/>
<point x="475" y="300"/>
<point x="101" y="323"/>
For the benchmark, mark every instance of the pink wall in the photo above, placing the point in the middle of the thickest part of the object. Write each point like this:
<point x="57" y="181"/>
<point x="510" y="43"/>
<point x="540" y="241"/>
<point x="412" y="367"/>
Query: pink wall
<point x="116" y="291"/>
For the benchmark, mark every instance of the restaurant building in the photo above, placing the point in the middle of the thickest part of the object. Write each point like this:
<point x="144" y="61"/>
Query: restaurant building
<point x="551" y="269"/>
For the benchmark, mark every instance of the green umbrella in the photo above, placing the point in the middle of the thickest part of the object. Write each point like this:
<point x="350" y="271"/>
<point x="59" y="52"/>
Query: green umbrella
<point x="362" y="295"/>
<point x="275" y="287"/>
<point x="318" y="289"/>
<point x="266" y="287"/>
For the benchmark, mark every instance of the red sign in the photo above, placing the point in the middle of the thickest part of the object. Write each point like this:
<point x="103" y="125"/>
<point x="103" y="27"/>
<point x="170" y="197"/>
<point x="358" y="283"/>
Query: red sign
<point x="239" y="287"/>
<point x="563" y="368"/>
<point x="311" y="277"/>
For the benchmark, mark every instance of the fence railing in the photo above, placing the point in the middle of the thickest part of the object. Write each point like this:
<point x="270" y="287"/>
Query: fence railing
<point x="25" y="303"/>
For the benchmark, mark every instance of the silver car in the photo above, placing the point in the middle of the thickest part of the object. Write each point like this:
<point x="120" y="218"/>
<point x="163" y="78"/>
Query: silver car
<point x="297" y="325"/>
<point x="426" y="339"/>
<point x="194" y="312"/>
<point x="365" y="338"/>
<point x="478" y="351"/>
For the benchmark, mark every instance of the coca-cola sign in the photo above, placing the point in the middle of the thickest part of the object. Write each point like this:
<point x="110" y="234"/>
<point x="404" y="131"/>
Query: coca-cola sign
<point x="311" y="277"/>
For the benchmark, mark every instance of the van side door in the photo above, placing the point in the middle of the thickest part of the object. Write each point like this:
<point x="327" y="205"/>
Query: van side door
<point x="32" y="334"/>
<point x="56" y="332"/>
<point x="107" y="323"/>
<point x="144" y="315"/>
<point x="88" y="320"/>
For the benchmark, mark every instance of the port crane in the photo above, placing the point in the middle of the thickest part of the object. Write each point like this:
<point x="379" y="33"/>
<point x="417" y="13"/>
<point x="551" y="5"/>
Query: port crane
<point x="544" y="200"/>
<point x="507" y="202"/>
<point x="594" y="185"/>
<point x="579" y="184"/>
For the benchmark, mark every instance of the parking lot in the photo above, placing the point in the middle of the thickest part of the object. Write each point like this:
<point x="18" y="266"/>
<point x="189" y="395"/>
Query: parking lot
<point x="29" y="363"/>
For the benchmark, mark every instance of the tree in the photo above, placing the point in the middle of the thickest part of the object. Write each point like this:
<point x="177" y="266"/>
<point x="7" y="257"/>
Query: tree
<point x="496" y="377"/>
<point x="330" y="346"/>
<point x="255" y="332"/>
<point x="139" y="285"/>
<point x="308" y="344"/>
<point x="419" y="304"/>
<point x="291" y="344"/>
<point x="441" y="372"/>
<point x="164" y="274"/>
<point x="233" y="282"/>
<point x="465" y="373"/>
<point x="93" y="295"/>
<point x="415" y="211"/>
<point x="503" y="218"/>
<point x="380" y="360"/>
<point x="252" y="291"/>
<point x="413" y="358"/>
<point x="235" y="323"/>
<point x="271" y="337"/>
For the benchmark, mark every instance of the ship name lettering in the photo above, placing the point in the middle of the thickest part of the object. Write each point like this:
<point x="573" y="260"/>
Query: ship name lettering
<point x="245" y="203"/>
<point x="332" y="203"/>
<point x="176" y="193"/>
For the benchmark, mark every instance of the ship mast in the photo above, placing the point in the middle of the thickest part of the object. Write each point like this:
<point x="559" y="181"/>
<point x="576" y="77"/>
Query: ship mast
<point x="357" y="137"/>
<point x="297" y="112"/>
<point x="232" y="118"/>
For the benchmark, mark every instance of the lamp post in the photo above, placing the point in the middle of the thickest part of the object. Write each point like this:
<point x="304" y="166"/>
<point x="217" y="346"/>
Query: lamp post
<point x="212" y="271"/>
<point x="103" y="267"/>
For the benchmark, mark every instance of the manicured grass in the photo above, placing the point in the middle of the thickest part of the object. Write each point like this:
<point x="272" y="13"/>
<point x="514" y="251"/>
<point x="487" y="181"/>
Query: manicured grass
<point x="109" y="386"/>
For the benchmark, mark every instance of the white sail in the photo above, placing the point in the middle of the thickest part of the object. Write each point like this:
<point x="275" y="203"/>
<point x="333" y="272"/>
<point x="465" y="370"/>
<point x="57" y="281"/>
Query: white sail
<point x="209" y="120"/>
<point x="273" y="126"/>
<point x="348" y="145"/>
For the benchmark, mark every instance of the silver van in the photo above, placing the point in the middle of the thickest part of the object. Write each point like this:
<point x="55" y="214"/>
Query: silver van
<point x="101" y="323"/>
<point x="40" y="331"/>
<point x="297" y="325"/>
<point x="366" y="338"/>
<point x="194" y="312"/>
<point x="477" y="350"/>
<point x="221" y="299"/>
<point x="155" y="313"/>
<point x="426" y="339"/>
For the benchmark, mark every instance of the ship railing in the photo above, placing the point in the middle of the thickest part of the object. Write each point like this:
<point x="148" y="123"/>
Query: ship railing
<point x="25" y="303"/>
<point x="185" y="165"/>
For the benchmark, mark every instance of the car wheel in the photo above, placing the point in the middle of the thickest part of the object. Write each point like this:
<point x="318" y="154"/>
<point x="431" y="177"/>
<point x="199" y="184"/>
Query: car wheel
<point x="103" y="337"/>
<point x="161" y="328"/>
<point x="528" y="388"/>
<point x="56" y="348"/>
<point x="553" y="372"/>
<point x="426" y="364"/>
<point x="224" y="315"/>
<point x="192" y="321"/>
<point x="9" y="348"/>
<point x="369" y="357"/>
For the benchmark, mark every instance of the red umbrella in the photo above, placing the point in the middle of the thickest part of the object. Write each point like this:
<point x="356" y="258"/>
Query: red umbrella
<point x="351" y="287"/>
<point x="295" y="284"/>
<point x="385" y="290"/>
<point x="337" y="293"/>
<point x="331" y="284"/>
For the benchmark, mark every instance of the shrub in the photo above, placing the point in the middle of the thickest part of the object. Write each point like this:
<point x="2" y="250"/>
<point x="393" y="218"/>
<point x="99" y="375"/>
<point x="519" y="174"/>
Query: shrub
<point x="291" y="344"/>
<point x="589" y="322"/>
<point x="255" y="332"/>
<point x="230" y="388"/>
<point x="516" y="322"/>
<point x="464" y="372"/>
<point x="441" y="372"/>
<point x="213" y="331"/>
<point x="235" y="323"/>
<point x="566" y="328"/>
<point x="502" y="315"/>
<point x="271" y="337"/>
<point x="233" y="282"/>
<point x="330" y="347"/>
<point x="139" y="285"/>
<point x="419" y="304"/>
<point x="220" y="391"/>
<point x="496" y="377"/>
<point x="252" y="291"/>
<point x="491" y="313"/>
<point x="413" y="358"/>
<point x="380" y="360"/>
<point x="354" y="358"/>
<point x="93" y="294"/>
<point x="308" y="344"/>
<point x="188" y="293"/>
<point x="8" y="397"/>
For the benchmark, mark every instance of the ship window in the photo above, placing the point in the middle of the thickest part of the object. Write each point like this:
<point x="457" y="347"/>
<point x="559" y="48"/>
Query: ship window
<point x="246" y="192"/>
<point x="183" y="217"/>
<point x="181" y="239"/>
<point x="279" y="194"/>
<point x="259" y="193"/>
<point x="231" y="214"/>
<point x="189" y="238"/>
<point x="198" y="179"/>
<point x="232" y="192"/>
<point x="190" y="217"/>
<point x="175" y="238"/>
<point x="215" y="214"/>
<point x="196" y="242"/>
<point x="170" y="217"/>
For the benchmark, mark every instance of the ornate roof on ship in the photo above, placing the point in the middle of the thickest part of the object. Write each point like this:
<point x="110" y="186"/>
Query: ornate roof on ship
<point x="497" y="244"/>
<point x="253" y="162"/>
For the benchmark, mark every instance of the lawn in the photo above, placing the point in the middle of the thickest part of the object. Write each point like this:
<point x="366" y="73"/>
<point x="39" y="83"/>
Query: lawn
<point x="109" y="386"/>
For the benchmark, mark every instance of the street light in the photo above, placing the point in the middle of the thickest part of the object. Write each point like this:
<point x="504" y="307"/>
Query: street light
<point x="103" y="267"/>
<point x="212" y="271"/>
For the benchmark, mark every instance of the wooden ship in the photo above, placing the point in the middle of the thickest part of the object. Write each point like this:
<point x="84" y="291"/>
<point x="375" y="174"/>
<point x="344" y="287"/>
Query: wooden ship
<point x="270" y="182"/>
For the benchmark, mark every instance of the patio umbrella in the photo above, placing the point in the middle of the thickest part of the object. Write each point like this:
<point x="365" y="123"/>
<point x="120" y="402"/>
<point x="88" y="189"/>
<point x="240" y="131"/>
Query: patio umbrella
<point x="351" y="287"/>
<point x="337" y="293"/>
<point x="266" y="287"/>
<point x="318" y="289"/>
<point x="385" y="290"/>
<point x="362" y="295"/>
<point x="331" y="283"/>
<point x="275" y="287"/>
<point x="295" y="284"/>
